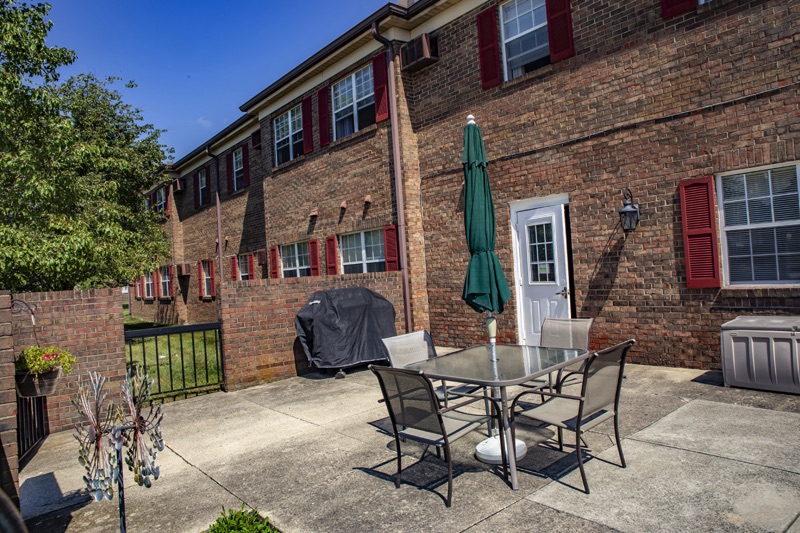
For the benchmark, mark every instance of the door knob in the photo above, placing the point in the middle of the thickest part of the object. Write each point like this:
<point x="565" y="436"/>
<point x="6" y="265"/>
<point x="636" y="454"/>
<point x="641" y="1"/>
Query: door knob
<point x="563" y="292"/>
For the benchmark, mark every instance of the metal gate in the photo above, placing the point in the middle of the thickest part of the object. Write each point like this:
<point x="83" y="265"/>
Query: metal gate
<point x="31" y="423"/>
<point x="180" y="359"/>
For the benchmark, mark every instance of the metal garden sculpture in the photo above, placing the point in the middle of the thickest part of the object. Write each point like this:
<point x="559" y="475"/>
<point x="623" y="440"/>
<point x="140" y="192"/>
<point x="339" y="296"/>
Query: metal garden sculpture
<point x="107" y="429"/>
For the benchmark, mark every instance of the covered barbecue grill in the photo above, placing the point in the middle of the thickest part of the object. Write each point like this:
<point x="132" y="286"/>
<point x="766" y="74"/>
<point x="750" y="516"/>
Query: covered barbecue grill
<point x="341" y="328"/>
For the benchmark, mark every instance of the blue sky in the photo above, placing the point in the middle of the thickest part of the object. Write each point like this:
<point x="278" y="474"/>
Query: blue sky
<point x="197" y="61"/>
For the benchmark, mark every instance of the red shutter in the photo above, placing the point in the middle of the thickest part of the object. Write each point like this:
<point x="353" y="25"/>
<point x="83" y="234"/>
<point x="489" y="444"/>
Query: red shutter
<point x="390" y="248"/>
<point x="274" y="263"/>
<point x="331" y="255"/>
<point x="698" y="216"/>
<point x="213" y="279"/>
<point x="234" y="268"/>
<point x="246" y="165"/>
<point x="379" y="81"/>
<point x="172" y="281"/>
<point x="251" y="267"/>
<point x="313" y="256"/>
<point x="200" y="279"/>
<point x="196" y="181"/>
<point x="673" y="8"/>
<point x="156" y="275"/>
<point x="323" y="118"/>
<point x="489" y="48"/>
<point x="229" y="167"/>
<point x="166" y="196"/>
<point x="559" y="30"/>
<point x="308" y="126"/>
<point x="207" y="191"/>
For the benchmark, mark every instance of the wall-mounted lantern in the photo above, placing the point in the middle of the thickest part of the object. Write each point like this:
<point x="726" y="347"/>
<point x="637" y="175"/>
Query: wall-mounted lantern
<point x="629" y="214"/>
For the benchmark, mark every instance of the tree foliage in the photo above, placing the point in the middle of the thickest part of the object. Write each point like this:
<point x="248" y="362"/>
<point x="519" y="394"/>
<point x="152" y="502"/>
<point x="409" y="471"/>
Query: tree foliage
<point x="74" y="161"/>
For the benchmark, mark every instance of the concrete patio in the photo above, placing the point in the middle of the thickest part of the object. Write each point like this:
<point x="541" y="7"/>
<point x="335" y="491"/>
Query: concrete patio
<point x="313" y="454"/>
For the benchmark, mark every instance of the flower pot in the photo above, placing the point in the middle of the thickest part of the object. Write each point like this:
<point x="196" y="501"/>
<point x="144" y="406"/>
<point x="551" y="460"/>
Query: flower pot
<point x="29" y="385"/>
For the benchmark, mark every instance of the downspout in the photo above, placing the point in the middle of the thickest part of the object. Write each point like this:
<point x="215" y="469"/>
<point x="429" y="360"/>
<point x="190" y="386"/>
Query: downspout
<point x="398" y="175"/>
<point x="219" y="232"/>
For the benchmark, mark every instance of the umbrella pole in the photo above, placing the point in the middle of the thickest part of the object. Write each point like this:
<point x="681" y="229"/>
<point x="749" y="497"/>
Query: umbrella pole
<point x="491" y="330"/>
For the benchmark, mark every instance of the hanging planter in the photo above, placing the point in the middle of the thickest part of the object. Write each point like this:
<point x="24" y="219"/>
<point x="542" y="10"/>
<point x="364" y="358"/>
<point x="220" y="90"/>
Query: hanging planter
<point x="31" y="385"/>
<point x="38" y="370"/>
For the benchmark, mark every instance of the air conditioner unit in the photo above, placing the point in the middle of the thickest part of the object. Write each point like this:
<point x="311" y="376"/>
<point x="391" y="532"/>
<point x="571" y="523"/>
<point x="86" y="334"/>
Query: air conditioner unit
<point x="255" y="139"/>
<point x="183" y="269"/>
<point x="179" y="185"/>
<point x="419" y="52"/>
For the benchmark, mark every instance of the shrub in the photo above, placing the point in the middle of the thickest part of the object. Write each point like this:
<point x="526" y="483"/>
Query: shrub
<point x="241" y="521"/>
<point x="37" y="360"/>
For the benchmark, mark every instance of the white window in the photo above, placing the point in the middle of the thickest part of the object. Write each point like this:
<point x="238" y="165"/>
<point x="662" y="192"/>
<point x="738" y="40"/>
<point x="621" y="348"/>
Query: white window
<point x="148" y="285"/>
<point x="201" y="186"/>
<point x="362" y="252"/>
<point x="353" y="103"/>
<point x="294" y="259"/>
<point x="244" y="266"/>
<point x="525" y="41"/>
<point x="289" y="135"/>
<point x="238" y="170"/>
<point x="165" y="282"/>
<point x="161" y="200"/>
<point x="208" y="280"/>
<point x="760" y="218"/>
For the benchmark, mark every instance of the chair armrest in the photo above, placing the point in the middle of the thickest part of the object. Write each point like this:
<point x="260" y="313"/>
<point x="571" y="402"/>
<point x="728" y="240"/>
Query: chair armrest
<point x="544" y="393"/>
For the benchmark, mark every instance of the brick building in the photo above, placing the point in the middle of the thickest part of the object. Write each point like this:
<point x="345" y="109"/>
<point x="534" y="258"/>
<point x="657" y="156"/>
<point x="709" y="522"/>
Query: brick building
<point x="348" y="169"/>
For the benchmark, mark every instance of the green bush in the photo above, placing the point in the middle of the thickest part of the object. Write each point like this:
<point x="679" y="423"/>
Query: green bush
<point x="241" y="521"/>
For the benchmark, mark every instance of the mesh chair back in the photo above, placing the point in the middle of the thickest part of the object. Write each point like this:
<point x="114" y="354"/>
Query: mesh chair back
<point x="409" y="348"/>
<point x="410" y="399"/>
<point x="566" y="332"/>
<point x="602" y="378"/>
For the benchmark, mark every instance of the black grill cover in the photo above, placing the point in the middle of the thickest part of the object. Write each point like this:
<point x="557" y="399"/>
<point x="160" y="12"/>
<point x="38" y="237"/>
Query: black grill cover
<point x="340" y="328"/>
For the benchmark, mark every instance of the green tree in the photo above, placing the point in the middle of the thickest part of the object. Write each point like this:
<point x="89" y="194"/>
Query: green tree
<point x="74" y="161"/>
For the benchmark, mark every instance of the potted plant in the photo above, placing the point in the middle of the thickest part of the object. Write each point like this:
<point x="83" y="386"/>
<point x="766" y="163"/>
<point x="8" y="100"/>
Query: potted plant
<point x="38" y="369"/>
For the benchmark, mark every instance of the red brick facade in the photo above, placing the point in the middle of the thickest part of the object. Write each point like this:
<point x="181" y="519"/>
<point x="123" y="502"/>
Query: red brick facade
<point x="9" y="456"/>
<point x="643" y="103"/>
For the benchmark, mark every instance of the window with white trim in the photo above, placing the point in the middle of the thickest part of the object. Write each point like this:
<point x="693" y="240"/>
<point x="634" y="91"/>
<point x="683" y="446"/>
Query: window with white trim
<point x="760" y="219"/>
<point x="148" y="285"/>
<point x="202" y="184"/>
<point x="362" y="252"/>
<point x="295" y="260"/>
<point x="238" y="169"/>
<point x="353" y="103"/>
<point x="207" y="279"/>
<point x="138" y="288"/>
<point x="524" y="35"/>
<point x="244" y="266"/>
<point x="161" y="200"/>
<point x="165" y="282"/>
<point x="289" y="135"/>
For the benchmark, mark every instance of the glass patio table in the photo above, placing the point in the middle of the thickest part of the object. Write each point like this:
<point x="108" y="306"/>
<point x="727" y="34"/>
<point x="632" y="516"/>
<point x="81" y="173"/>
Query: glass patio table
<point x="514" y="364"/>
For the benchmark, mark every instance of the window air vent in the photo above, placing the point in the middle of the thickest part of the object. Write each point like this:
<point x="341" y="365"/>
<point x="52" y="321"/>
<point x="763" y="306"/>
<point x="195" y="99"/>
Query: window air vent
<point x="419" y="52"/>
<point x="255" y="139"/>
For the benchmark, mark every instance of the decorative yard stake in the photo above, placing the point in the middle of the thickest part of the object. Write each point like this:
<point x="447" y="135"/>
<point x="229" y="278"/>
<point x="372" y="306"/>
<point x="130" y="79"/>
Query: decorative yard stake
<point x="107" y="429"/>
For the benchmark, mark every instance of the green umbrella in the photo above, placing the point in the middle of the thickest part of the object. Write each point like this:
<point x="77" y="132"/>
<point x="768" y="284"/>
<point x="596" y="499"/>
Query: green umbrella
<point x="485" y="287"/>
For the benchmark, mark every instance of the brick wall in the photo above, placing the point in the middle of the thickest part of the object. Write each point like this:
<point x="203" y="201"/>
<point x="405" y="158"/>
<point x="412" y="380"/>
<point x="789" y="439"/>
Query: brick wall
<point x="89" y="324"/>
<point x="259" y="336"/>
<point x="9" y="453"/>
<point x="643" y="104"/>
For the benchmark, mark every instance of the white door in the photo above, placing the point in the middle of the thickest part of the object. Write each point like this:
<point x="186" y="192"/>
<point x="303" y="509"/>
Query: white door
<point x="541" y="272"/>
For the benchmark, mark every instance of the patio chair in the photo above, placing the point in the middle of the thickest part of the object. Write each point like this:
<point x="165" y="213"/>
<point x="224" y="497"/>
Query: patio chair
<point x="598" y="402"/>
<point x="417" y="415"/>
<point x="418" y="346"/>
<point x="563" y="333"/>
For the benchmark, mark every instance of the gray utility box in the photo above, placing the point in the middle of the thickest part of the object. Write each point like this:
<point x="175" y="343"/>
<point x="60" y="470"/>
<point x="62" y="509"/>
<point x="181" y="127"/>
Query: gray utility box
<point x="762" y="352"/>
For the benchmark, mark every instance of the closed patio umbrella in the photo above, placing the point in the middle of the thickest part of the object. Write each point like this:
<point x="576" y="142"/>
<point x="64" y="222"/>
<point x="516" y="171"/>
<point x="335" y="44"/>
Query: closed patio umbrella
<point x="485" y="286"/>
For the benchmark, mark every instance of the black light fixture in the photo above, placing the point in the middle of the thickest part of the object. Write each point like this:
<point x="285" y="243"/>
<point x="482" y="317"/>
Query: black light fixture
<point x="629" y="214"/>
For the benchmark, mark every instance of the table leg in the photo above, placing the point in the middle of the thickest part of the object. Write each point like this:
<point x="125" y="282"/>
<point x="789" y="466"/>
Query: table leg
<point x="511" y="447"/>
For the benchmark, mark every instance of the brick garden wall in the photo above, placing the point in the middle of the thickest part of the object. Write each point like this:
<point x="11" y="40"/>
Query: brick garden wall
<point x="259" y="336"/>
<point x="9" y="453"/>
<point x="643" y="104"/>
<point x="89" y="324"/>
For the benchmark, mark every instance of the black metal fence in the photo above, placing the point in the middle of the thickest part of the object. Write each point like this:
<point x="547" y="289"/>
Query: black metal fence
<point x="31" y="423"/>
<point x="180" y="359"/>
